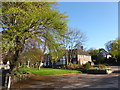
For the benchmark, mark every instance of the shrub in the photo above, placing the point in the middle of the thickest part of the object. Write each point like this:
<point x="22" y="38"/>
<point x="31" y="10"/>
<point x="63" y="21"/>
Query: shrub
<point x="86" y="67"/>
<point x="106" y="64"/>
<point x="35" y="65"/>
<point x="74" y="66"/>
<point x="101" y="66"/>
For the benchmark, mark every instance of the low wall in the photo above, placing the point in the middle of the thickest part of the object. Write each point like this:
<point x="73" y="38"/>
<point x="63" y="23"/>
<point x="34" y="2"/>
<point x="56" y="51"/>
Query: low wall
<point x="99" y="71"/>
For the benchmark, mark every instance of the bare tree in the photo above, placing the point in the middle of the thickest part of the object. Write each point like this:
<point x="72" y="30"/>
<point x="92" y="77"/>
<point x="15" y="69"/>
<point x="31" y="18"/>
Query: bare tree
<point x="75" y="39"/>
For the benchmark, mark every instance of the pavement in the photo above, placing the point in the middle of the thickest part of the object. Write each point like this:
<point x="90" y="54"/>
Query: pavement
<point x="73" y="81"/>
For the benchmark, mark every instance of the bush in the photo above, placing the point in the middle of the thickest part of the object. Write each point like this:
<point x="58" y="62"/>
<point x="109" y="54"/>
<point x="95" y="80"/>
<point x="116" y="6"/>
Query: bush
<point x="101" y="66"/>
<point x="35" y="65"/>
<point x="106" y="64"/>
<point x="86" y="67"/>
<point x="74" y="66"/>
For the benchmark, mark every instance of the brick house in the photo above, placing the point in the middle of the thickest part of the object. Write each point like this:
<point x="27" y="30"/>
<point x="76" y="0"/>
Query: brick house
<point x="79" y="56"/>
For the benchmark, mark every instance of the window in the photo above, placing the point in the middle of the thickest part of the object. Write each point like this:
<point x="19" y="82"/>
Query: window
<point x="63" y="57"/>
<point x="82" y="56"/>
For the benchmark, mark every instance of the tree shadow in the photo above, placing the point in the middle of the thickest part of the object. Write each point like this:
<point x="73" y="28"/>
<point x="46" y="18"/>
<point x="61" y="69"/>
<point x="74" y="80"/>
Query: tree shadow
<point x="117" y="71"/>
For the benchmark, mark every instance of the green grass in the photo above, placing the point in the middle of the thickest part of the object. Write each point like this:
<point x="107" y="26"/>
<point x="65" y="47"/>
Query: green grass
<point x="50" y="71"/>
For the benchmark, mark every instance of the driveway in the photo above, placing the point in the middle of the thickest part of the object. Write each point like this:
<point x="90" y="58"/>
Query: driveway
<point x="71" y="81"/>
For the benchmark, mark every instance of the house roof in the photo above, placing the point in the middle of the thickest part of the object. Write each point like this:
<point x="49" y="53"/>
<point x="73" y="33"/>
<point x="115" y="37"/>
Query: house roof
<point x="103" y="50"/>
<point x="79" y="51"/>
<point x="82" y="52"/>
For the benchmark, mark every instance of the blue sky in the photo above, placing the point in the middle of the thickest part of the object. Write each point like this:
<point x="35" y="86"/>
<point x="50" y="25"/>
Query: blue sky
<point x="98" y="20"/>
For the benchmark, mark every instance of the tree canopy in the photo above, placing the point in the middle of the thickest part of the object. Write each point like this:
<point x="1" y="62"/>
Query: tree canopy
<point x="36" y="21"/>
<point x="92" y="51"/>
<point x="113" y="47"/>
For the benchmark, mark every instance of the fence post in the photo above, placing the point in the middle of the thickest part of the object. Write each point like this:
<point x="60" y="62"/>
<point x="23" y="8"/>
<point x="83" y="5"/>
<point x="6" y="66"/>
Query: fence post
<point x="9" y="81"/>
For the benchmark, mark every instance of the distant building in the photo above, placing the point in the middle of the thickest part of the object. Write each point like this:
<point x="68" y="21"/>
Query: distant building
<point x="49" y="63"/>
<point x="75" y="56"/>
<point x="79" y="56"/>
<point x="102" y="53"/>
<point x="107" y="55"/>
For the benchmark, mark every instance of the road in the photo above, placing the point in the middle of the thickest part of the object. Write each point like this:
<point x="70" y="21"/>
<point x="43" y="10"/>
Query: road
<point x="72" y="81"/>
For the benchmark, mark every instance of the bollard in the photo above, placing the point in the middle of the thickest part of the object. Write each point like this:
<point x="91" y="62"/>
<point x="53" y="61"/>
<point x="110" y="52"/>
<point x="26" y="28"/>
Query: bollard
<point x="9" y="82"/>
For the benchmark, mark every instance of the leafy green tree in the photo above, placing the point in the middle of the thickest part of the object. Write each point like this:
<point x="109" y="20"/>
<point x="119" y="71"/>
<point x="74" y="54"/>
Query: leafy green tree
<point x="101" y="58"/>
<point x="97" y="56"/>
<point x="114" y="48"/>
<point x="92" y="51"/>
<point x="39" y="21"/>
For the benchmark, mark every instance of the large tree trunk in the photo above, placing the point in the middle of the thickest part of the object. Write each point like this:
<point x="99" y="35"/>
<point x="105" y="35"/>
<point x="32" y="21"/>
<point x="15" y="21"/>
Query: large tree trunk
<point x="54" y="65"/>
<point x="42" y="57"/>
<point x="15" y="58"/>
<point x="66" y="59"/>
<point x="39" y="67"/>
<point x="70" y="56"/>
<point x="19" y="48"/>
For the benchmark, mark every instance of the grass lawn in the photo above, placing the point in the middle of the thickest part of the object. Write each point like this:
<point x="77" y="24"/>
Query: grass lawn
<point x="50" y="71"/>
